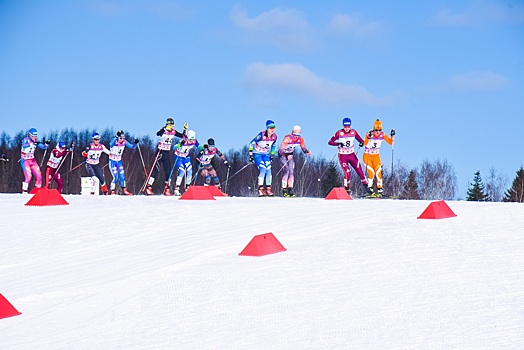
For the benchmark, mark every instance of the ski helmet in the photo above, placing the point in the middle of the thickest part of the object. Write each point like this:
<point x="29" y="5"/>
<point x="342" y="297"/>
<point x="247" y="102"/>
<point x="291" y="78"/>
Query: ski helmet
<point x="211" y="142"/>
<point x="191" y="135"/>
<point x="61" y="144"/>
<point x="297" y="130"/>
<point x="170" y="121"/>
<point x="33" y="132"/>
<point x="377" y="126"/>
<point x="95" y="136"/>
<point x="270" y="124"/>
<point x="120" y="133"/>
<point x="346" y="121"/>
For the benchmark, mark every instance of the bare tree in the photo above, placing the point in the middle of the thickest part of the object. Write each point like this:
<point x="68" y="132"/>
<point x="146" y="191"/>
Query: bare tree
<point x="394" y="181"/>
<point x="437" y="180"/>
<point x="496" y="183"/>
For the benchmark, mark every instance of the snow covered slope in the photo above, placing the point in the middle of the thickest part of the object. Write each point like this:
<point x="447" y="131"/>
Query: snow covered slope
<point x="160" y="273"/>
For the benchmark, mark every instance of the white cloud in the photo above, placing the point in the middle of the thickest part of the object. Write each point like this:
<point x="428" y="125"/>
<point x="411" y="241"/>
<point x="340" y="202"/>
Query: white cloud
<point x="285" y="29"/>
<point x="477" y="81"/>
<point x="296" y="79"/>
<point x="479" y="13"/>
<point x="342" y="25"/>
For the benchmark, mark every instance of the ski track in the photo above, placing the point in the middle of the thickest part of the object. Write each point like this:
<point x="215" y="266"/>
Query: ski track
<point x="156" y="272"/>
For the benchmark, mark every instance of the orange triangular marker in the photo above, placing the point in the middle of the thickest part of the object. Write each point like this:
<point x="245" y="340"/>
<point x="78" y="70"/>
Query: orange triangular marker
<point x="215" y="191"/>
<point x="6" y="309"/>
<point x="263" y="245"/>
<point x="437" y="210"/>
<point x="198" y="193"/>
<point x="45" y="196"/>
<point x="338" y="193"/>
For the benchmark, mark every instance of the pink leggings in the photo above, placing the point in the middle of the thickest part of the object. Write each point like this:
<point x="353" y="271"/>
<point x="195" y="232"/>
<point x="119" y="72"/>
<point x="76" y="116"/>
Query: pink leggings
<point x="30" y="167"/>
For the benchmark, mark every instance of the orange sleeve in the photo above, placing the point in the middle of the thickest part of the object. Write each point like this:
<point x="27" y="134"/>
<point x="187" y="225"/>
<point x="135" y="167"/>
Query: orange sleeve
<point x="303" y="144"/>
<point x="388" y="139"/>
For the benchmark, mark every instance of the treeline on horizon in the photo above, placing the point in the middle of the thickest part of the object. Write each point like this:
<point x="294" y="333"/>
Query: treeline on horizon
<point x="315" y="176"/>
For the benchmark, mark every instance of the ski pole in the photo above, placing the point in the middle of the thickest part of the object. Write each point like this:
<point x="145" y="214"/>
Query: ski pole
<point x="232" y="176"/>
<point x="76" y="167"/>
<point x="227" y="178"/>
<point x="141" y="158"/>
<point x="282" y="167"/>
<point x="193" y="181"/>
<point x="151" y="171"/>
<point x="57" y="168"/>
<point x="172" y="169"/>
<point x="43" y="158"/>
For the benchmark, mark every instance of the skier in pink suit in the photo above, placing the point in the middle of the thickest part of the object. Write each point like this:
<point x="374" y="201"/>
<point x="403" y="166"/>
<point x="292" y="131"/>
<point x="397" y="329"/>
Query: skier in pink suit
<point x="27" y="162"/>
<point x="345" y="140"/>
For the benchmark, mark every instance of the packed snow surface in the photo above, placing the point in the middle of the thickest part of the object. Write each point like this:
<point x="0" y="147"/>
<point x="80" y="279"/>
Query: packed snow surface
<point x="156" y="272"/>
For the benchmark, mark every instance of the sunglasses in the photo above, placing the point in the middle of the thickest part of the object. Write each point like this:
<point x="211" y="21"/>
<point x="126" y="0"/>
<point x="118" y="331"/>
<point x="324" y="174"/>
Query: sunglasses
<point x="271" y="127"/>
<point x="377" y="130"/>
<point x="98" y="139"/>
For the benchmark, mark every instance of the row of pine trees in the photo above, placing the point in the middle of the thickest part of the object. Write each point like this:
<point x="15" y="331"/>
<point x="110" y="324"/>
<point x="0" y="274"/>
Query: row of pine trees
<point x="315" y="176"/>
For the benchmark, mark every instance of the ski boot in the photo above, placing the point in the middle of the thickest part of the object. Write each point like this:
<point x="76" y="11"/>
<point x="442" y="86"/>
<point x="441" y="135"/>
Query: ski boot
<point x="126" y="192"/>
<point x="369" y="192"/>
<point x="261" y="192"/>
<point x="290" y="192"/>
<point x="347" y="190"/>
<point x="269" y="192"/>
<point x="149" y="190"/>
<point x="167" y="191"/>
<point x="380" y="191"/>
<point x="176" y="192"/>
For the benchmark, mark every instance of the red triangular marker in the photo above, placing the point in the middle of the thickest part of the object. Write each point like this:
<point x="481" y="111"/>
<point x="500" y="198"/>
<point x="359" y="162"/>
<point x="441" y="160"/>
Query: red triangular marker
<point x="198" y="193"/>
<point x="338" y="193"/>
<point x="437" y="210"/>
<point x="6" y="309"/>
<point x="45" y="196"/>
<point x="263" y="245"/>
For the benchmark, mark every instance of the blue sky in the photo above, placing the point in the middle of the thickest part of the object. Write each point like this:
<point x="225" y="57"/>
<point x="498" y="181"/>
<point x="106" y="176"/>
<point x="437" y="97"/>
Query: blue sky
<point x="447" y="75"/>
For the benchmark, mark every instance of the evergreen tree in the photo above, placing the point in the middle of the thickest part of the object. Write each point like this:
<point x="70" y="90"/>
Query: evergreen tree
<point x="516" y="192"/>
<point x="476" y="191"/>
<point x="410" y="188"/>
<point x="331" y="180"/>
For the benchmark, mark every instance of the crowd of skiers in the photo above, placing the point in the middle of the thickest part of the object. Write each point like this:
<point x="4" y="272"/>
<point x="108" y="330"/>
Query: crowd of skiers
<point x="262" y="149"/>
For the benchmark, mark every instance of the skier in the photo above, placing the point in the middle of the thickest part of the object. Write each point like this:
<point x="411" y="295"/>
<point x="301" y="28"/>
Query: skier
<point x="207" y="153"/>
<point x="27" y="162"/>
<point x="51" y="173"/>
<point x="116" y="147"/>
<point x="344" y="139"/>
<point x="285" y="155"/>
<point x="183" y="160"/>
<point x="371" y="157"/>
<point x="166" y="134"/>
<point x="92" y="154"/>
<point x="261" y="152"/>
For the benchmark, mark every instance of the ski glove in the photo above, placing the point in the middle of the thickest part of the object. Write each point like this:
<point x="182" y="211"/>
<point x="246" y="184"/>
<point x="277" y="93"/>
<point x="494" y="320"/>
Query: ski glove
<point x="206" y="146"/>
<point x="392" y="132"/>
<point x="360" y="144"/>
<point x="370" y="133"/>
<point x="136" y="140"/>
<point x="186" y="125"/>
<point x="182" y="142"/>
<point x="341" y="144"/>
<point x="160" y="132"/>
<point x="251" y="159"/>
<point x="227" y="164"/>
<point x="84" y="153"/>
<point x="271" y="157"/>
<point x="47" y="142"/>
